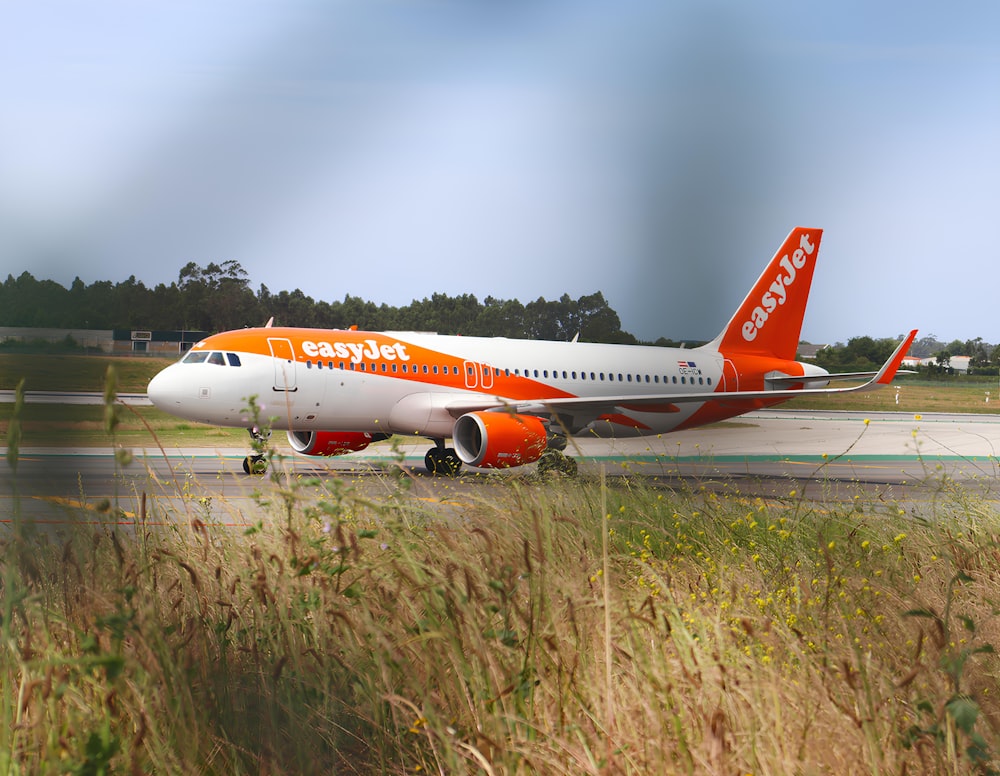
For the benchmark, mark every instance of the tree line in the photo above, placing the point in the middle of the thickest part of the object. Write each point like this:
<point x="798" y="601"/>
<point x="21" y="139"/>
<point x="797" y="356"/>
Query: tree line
<point x="218" y="297"/>
<point x="867" y="353"/>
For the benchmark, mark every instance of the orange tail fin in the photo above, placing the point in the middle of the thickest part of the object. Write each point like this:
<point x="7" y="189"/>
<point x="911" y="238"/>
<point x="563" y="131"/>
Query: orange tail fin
<point x="769" y="321"/>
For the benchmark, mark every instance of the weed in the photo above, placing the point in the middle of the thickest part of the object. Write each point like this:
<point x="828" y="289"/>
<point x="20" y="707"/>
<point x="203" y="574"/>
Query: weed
<point x="567" y="627"/>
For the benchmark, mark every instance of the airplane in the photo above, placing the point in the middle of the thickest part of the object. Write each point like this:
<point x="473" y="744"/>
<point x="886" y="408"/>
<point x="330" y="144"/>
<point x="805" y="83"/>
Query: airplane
<point x="503" y="402"/>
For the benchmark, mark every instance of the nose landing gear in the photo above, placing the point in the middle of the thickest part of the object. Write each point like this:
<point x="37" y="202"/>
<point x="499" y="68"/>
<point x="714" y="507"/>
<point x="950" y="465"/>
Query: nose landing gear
<point x="256" y="463"/>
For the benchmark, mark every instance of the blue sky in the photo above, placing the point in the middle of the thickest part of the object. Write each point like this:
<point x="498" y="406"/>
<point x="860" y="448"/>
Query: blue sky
<point x="390" y="149"/>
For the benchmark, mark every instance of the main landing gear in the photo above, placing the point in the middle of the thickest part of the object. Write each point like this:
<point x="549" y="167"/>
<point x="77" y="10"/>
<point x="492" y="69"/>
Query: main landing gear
<point x="442" y="460"/>
<point x="256" y="463"/>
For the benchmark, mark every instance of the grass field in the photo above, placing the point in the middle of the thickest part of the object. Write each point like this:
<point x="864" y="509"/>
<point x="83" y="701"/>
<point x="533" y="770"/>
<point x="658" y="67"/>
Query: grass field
<point x="76" y="373"/>
<point x="531" y="626"/>
<point x="65" y="425"/>
<point x="543" y="628"/>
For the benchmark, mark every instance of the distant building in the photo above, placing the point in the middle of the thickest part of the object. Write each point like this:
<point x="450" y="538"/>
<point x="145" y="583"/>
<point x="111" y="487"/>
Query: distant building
<point x="958" y="363"/>
<point x="155" y="342"/>
<point x="808" y="351"/>
<point x="120" y="341"/>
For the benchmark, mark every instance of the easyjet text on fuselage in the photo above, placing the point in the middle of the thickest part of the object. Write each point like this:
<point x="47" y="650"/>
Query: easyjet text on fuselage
<point x="357" y="352"/>
<point x="777" y="292"/>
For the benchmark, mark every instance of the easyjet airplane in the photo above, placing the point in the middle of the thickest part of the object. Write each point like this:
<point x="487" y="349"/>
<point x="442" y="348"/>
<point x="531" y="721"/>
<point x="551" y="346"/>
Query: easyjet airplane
<point x="504" y="401"/>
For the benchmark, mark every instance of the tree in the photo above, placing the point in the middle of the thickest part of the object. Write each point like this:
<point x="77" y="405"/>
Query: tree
<point x="217" y="297"/>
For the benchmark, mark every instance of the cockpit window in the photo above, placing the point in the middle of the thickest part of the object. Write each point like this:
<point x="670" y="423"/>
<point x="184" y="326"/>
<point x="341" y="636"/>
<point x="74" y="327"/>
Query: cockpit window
<point x="195" y="357"/>
<point x="234" y="360"/>
<point x="217" y="359"/>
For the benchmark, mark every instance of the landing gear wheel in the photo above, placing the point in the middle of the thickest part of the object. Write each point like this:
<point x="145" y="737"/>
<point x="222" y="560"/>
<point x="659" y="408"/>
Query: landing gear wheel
<point x="555" y="462"/>
<point x="254" y="464"/>
<point x="557" y="442"/>
<point x="444" y="461"/>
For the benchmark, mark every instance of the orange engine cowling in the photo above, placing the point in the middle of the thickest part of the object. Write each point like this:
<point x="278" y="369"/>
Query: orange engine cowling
<point x="331" y="442"/>
<point x="498" y="440"/>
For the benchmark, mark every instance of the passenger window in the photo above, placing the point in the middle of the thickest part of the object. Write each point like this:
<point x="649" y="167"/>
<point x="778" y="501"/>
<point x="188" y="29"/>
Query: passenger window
<point x="234" y="360"/>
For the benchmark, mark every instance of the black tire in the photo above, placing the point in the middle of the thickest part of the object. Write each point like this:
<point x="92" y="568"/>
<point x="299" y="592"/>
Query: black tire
<point x="254" y="464"/>
<point x="558" y="442"/>
<point x="554" y="462"/>
<point x="452" y="463"/>
<point x="442" y="461"/>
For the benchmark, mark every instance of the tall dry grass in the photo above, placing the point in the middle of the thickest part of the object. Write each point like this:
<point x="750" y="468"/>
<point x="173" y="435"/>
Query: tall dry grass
<point x="550" y="627"/>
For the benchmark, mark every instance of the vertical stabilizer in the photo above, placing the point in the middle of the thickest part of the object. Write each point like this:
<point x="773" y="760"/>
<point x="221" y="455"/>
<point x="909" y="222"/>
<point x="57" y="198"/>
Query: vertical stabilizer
<point x="769" y="321"/>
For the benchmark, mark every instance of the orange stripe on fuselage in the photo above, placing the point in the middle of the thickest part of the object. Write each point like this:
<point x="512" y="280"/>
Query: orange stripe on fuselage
<point x="379" y="353"/>
<point x="750" y="371"/>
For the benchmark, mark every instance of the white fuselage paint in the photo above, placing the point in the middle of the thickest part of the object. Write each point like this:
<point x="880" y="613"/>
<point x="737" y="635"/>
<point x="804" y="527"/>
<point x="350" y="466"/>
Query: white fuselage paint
<point x="351" y="400"/>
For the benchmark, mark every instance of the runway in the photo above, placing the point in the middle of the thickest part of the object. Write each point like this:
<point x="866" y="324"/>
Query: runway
<point x="74" y="397"/>
<point x="829" y="456"/>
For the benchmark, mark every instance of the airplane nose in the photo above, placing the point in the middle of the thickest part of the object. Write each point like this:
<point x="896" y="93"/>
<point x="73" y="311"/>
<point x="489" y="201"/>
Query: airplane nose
<point x="163" y="389"/>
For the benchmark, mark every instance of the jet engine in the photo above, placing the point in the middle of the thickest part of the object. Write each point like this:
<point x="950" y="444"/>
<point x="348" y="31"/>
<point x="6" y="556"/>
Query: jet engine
<point x="497" y="440"/>
<point x="331" y="442"/>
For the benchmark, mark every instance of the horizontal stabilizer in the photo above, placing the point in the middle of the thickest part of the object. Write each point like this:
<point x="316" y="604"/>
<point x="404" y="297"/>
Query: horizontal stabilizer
<point x="833" y="376"/>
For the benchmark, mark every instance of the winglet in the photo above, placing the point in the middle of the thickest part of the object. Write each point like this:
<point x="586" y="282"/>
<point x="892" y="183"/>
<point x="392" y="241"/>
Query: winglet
<point x="889" y="368"/>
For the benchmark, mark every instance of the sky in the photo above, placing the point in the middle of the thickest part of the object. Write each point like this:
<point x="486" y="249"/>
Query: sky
<point x="658" y="152"/>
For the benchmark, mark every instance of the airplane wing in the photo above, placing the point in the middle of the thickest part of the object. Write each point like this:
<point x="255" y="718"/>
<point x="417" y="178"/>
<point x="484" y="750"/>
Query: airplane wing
<point x="667" y="402"/>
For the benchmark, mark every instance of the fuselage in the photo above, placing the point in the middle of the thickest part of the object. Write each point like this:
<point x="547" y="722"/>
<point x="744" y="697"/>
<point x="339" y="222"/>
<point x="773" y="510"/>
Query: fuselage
<point x="411" y="383"/>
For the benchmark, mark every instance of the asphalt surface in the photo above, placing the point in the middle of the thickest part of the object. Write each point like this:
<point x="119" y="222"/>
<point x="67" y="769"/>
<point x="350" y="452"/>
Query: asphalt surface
<point x="826" y="456"/>
<point x="77" y="398"/>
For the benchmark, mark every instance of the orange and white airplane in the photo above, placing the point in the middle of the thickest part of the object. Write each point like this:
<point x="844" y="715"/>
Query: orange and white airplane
<point x="503" y="402"/>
